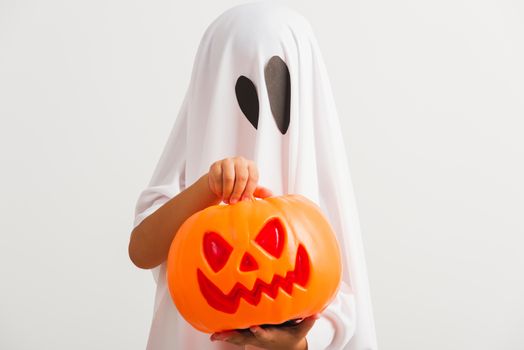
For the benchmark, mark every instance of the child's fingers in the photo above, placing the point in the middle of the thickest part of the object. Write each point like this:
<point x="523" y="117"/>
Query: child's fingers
<point x="215" y="179"/>
<point x="235" y="337"/>
<point x="251" y="182"/>
<point x="233" y="179"/>
<point x="261" y="334"/>
<point x="228" y="178"/>
<point x="241" y="177"/>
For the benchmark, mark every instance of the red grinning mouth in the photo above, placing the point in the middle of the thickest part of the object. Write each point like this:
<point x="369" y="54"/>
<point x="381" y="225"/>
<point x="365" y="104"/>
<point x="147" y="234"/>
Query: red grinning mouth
<point x="228" y="303"/>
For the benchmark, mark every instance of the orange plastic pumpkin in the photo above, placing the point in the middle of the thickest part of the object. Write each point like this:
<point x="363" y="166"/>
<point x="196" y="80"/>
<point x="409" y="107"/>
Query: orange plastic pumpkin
<point x="260" y="261"/>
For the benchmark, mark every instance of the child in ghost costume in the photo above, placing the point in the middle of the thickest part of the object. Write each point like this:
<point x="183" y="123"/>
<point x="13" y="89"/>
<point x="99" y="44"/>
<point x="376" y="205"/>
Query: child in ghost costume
<point x="259" y="90"/>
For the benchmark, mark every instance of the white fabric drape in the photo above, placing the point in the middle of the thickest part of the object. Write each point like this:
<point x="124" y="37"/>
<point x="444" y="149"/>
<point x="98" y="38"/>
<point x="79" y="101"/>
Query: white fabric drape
<point x="309" y="159"/>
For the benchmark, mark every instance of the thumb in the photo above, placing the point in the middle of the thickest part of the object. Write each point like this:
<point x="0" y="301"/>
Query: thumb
<point x="262" y="192"/>
<point x="307" y="323"/>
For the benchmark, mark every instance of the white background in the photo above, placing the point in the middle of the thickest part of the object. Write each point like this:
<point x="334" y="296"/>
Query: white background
<point x="431" y="99"/>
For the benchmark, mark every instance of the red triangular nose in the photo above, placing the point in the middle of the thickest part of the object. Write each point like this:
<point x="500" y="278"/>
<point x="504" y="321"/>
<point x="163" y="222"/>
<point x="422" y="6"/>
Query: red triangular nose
<point x="248" y="263"/>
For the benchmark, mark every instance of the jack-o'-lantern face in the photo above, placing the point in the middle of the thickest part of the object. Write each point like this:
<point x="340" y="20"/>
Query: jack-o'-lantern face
<point x="270" y="240"/>
<point x="254" y="262"/>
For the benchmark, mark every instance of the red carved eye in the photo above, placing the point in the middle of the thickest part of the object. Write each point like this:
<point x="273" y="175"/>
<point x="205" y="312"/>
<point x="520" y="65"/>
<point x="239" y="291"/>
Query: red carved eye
<point x="216" y="250"/>
<point x="271" y="237"/>
<point x="302" y="266"/>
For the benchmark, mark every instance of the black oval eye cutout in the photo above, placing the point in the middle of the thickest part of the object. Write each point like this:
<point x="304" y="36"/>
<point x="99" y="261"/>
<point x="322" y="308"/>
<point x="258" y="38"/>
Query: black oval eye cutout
<point x="278" y="83"/>
<point x="247" y="99"/>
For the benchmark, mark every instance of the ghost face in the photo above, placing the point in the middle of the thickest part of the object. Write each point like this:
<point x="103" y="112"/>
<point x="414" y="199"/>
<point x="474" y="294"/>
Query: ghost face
<point x="278" y="85"/>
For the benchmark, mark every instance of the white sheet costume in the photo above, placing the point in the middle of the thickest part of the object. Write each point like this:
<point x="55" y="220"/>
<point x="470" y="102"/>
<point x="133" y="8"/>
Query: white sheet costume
<point x="282" y="116"/>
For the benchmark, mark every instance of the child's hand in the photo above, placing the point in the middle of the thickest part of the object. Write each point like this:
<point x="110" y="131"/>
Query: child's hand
<point x="233" y="179"/>
<point x="274" y="338"/>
